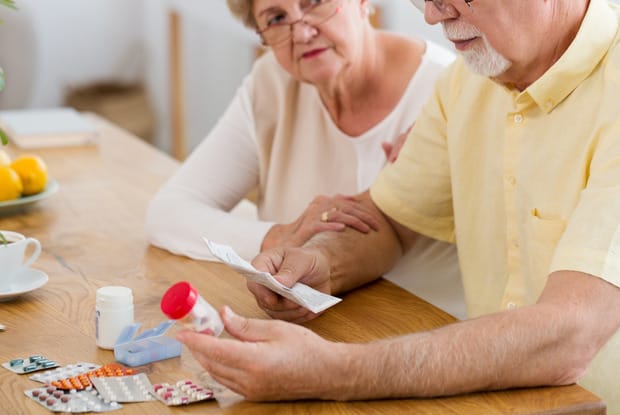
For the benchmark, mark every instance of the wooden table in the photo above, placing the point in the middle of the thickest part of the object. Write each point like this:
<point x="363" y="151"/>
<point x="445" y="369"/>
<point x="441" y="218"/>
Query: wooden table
<point x="92" y="235"/>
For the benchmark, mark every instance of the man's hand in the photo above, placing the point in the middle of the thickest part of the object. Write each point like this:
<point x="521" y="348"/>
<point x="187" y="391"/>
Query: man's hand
<point x="267" y="360"/>
<point x="290" y="265"/>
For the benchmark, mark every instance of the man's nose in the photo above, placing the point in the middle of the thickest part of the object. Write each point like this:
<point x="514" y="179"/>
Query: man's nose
<point x="433" y="15"/>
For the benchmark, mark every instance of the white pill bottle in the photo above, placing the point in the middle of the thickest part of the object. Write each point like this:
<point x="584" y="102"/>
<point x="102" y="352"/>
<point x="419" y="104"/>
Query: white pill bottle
<point x="113" y="312"/>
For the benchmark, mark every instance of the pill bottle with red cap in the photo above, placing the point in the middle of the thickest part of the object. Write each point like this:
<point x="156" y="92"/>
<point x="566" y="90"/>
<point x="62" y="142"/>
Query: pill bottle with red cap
<point x="183" y="303"/>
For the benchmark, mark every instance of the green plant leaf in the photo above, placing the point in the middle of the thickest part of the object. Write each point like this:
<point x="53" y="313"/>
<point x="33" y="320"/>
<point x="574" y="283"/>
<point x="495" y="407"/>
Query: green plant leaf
<point x="3" y="138"/>
<point x="8" y="3"/>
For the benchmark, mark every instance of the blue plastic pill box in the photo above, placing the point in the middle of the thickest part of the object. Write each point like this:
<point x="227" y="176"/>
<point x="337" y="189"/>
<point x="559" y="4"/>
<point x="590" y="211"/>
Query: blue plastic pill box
<point x="149" y="346"/>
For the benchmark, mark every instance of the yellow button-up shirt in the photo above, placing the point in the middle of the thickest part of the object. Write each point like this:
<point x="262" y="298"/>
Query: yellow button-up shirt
<point x="526" y="183"/>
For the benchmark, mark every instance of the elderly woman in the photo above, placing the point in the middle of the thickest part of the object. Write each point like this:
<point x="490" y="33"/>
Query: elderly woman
<point x="310" y="119"/>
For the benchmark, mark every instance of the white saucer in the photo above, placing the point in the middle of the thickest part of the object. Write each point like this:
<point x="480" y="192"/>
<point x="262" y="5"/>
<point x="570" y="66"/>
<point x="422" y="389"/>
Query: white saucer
<point x="29" y="280"/>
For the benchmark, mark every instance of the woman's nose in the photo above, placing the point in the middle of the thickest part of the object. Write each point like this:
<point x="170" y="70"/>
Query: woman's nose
<point x="303" y="32"/>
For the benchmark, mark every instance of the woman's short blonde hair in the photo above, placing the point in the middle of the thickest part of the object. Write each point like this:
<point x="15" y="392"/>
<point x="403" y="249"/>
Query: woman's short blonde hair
<point x="242" y="10"/>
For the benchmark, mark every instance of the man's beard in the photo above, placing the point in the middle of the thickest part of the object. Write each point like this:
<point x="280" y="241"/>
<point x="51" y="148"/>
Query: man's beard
<point x="486" y="61"/>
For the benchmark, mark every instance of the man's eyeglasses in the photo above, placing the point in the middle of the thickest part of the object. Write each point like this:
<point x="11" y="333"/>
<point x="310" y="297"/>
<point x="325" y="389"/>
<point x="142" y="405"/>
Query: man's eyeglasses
<point x="441" y="5"/>
<point x="279" y="30"/>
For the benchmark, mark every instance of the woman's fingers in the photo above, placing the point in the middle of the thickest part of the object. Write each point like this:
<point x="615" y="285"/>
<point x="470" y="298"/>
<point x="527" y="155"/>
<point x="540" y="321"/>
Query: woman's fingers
<point x="351" y="214"/>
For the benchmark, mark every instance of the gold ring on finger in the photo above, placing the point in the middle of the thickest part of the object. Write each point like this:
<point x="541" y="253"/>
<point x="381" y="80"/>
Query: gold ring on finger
<point x="325" y="216"/>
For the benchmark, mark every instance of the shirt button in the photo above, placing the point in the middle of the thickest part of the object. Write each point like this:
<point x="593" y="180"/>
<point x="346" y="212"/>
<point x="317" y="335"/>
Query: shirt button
<point x="549" y="105"/>
<point x="511" y="306"/>
<point x="515" y="243"/>
<point x="511" y="180"/>
<point x="518" y="118"/>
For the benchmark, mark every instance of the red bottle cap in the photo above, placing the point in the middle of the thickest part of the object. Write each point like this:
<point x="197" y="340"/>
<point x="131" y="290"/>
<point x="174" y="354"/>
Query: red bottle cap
<point x="179" y="300"/>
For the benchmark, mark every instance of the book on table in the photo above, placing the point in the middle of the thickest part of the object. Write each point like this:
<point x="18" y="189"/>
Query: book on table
<point x="49" y="127"/>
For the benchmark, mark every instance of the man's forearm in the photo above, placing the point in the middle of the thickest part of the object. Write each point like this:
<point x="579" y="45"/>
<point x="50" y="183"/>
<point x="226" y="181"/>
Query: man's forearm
<point x="549" y="343"/>
<point x="495" y="352"/>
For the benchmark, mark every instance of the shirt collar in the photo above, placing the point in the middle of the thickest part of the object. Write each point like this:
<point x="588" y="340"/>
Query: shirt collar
<point x="592" y="42"/>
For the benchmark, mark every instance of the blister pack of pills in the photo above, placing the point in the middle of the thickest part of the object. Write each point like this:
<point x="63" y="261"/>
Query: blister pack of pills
<point x="78" y="376"/>
<point x="64" y="372"/>
<point x="29" y="364"/>
<point x="83" y="381"/>
<point x="57" y="400"/>
<point x="136" y="388"/>
<point x="183" y="392"/>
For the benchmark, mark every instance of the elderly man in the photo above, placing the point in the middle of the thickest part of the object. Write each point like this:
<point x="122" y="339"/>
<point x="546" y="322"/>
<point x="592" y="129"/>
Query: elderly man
<point x="516" y="158"/>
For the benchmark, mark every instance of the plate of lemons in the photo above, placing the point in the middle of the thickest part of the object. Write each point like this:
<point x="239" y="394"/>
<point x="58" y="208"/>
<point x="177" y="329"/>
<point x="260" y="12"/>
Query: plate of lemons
<point x="23" y="180"/>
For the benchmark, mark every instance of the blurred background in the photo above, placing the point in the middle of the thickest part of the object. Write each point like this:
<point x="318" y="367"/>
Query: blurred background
<point x="114" y="57"/>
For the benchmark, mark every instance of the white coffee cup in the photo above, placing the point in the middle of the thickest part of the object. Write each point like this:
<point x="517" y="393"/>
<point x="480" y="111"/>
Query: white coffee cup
<point x="13" y="258"/>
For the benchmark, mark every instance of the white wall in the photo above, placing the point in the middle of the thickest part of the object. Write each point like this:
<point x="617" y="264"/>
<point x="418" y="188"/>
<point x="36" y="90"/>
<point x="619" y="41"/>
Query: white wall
<point x="218" y="53"/>
<point x="49" y="46"/>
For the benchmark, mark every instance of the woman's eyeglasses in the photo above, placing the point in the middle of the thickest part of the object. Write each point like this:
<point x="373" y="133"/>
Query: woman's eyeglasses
<point x="279" y="32"/>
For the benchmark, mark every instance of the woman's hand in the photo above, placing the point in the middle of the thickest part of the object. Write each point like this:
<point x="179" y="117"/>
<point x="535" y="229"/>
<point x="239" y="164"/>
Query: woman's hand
<point x="323" y="214"/>
<point x="392" y="150"/>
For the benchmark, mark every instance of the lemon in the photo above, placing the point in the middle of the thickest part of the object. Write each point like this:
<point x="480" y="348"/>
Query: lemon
<point x="10" y="184"/>
<point x="5" y="159"/>
<point x="32" y="171"/>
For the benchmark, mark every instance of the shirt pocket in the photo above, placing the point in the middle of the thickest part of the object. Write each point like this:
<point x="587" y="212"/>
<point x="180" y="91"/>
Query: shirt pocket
<point x="543" y="236"/>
